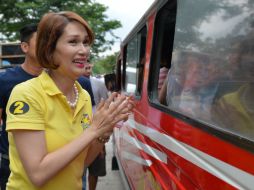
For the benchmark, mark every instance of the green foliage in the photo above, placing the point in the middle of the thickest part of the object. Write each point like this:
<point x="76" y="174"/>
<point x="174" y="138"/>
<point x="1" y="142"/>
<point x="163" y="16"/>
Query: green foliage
<point x="16" y="13"/>
<point x="105" y="65"/>
<point x="190" y="21"/>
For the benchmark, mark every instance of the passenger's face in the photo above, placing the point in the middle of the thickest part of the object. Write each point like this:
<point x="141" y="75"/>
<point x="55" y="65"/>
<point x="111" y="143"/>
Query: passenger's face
<point x="193" y="76"/>
<point x="210" y="72"/>
<point x="72" y="50"/>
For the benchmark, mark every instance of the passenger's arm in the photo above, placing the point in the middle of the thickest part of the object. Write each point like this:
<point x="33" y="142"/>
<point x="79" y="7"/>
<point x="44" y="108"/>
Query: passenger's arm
<point x="163" y="92"/>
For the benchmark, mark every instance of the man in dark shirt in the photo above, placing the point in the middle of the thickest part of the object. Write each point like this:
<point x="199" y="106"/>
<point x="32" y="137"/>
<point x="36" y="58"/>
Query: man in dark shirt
<point x="86" y="84"/>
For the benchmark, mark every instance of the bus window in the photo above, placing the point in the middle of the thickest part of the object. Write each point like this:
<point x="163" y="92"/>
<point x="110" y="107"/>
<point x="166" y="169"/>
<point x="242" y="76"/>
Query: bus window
<point x="162" y="50"/>
<point x="134" y="66"/>
<point x="110" y="82"/>
<point x="118" y="73"/>
<point x="142" y="48"/>
<point x="211" y="67"/>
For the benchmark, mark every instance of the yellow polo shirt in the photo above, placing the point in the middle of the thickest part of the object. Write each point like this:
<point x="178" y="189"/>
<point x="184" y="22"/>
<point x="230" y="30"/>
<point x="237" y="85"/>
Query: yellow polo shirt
<point x="242" y="121"/>
<point x="38" y="104"/>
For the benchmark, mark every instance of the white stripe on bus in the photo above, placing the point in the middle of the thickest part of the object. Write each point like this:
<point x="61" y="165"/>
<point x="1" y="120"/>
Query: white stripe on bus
<point x="146" y="148"/>
<point x="224" y="171"/>
<point x="133" y="157"/>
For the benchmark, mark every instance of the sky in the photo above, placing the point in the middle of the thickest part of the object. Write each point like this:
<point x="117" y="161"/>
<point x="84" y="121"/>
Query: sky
<point x="128" y="12"/>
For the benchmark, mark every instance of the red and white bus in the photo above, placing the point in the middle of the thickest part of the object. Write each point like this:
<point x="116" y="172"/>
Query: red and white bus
<point x="190" y="66"/>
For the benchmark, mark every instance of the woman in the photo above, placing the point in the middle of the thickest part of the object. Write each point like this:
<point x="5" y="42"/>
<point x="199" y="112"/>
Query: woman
<point x="51" y="132"/>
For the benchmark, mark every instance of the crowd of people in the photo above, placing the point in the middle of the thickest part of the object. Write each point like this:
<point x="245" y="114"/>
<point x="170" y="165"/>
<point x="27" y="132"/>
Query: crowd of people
<point x="47" y="108"/>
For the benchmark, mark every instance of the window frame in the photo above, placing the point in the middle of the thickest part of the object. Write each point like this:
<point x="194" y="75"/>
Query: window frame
<point x="140" y="51"/>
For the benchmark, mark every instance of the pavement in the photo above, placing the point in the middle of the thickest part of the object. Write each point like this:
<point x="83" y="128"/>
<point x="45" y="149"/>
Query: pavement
<point x="113" y="180"/>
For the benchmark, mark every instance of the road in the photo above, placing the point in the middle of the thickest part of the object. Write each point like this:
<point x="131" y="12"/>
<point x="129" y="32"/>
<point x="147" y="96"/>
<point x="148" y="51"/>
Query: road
<point x="112" y="181"/>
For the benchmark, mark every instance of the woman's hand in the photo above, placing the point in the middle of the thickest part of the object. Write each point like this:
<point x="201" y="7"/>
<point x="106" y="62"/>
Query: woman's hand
<point x="114" y="109"/>
<point x="108" y="113"/>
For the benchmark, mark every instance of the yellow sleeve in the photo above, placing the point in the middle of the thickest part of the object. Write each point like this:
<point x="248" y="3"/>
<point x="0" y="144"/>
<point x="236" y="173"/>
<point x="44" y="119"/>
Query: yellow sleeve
<point x="24" y="109"/>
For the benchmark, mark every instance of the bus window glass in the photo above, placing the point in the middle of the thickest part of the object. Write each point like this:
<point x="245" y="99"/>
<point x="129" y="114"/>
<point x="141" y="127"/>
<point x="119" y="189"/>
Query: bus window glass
<point x="141" y="62"/>
<point x="131" y="66"/>
<point x="212" y="65"/>
<point x="135" y="59"/>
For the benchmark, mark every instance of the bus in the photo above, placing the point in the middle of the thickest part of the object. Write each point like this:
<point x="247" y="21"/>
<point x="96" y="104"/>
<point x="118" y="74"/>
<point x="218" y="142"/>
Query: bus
<point x="11" y="54"/>
<point x="190" y="67"/>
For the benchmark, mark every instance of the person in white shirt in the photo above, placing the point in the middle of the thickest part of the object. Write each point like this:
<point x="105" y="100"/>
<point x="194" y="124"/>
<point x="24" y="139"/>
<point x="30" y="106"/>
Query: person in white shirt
<point x="98" y="166"/>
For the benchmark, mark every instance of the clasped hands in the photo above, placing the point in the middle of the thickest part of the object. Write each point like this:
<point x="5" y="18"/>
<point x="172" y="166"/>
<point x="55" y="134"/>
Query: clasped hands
<point x="109" y="112"/>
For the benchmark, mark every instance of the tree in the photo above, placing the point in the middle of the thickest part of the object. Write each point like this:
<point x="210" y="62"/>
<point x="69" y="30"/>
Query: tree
<point x="16" y="13"/>
<point x="105" y="65"/>
<point x="190" y="21"/>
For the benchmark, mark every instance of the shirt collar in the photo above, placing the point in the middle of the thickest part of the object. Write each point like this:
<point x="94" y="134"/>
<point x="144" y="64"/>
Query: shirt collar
<point x="51" y="89"/>
<point x="48" y="84"/>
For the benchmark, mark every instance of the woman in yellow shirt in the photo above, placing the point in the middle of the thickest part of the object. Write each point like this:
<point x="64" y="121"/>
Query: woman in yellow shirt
<point x="52" y="133"/>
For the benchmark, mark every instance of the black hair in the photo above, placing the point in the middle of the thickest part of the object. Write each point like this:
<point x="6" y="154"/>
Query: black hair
<point x="27" y="31"/>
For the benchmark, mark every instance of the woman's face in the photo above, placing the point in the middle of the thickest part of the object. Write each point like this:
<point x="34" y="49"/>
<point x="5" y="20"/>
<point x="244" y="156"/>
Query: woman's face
<point x="72" y="50"/>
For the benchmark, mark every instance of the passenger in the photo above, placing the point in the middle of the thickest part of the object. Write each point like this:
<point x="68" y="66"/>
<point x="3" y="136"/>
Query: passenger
<point x="162" y="73"/>
<point x="162" y="77"/>
<point x="191" y="84"/>
<point x="48" y="116"/>
<point x="189" y="100"/>
<point x="10" y="78"/>
<point x="235" y="110"/>
<point x="181" y="78"/>
<point x="98" y="166"/>
<point x="173" y="84"/>
<point x="163" y="91"/>
<point x="212" y="75"/>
